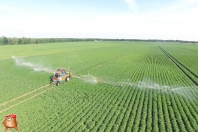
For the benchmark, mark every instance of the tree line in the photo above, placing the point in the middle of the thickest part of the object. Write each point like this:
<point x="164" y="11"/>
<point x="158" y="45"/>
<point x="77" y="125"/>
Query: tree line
<point x="14" y="41"/>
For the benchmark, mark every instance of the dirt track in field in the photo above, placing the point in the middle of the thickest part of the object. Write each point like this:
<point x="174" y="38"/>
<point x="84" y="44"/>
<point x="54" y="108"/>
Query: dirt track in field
<point x="26" y="99"/>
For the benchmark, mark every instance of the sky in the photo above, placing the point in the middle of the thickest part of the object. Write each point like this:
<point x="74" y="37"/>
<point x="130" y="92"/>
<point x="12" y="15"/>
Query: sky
<point x="116" y="19"/>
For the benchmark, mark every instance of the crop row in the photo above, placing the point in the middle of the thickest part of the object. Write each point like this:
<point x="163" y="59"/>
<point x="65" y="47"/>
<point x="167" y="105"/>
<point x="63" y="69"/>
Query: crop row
<point x="163" y="116"/>
<point x="186" y="55"/>
<point x="140" y="90"/>
<point x="192" y="76"/>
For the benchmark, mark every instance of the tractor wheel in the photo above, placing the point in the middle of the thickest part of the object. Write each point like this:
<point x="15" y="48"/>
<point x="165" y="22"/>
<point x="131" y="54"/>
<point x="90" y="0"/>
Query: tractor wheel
<point x="50" y="82"/>
<point x="67" y="79"/>
<point x="51" y="78"/>
<point x="57" y="83"/>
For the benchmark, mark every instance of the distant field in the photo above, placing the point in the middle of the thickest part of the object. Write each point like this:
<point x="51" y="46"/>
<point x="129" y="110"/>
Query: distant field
<point x="115" y="86"/>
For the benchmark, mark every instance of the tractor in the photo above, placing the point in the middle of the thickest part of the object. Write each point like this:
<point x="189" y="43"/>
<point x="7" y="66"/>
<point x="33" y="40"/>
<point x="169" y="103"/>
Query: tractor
<point x="59" y="76"/>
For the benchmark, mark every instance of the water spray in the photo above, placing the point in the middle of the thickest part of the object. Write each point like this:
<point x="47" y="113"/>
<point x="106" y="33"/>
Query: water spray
<point x="95" y="80"/>
<point x="35" y="67"/>
<point x="145" y="84"/>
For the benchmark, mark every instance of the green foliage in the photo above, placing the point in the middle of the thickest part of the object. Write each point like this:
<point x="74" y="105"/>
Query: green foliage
<point x="138" y="88"/>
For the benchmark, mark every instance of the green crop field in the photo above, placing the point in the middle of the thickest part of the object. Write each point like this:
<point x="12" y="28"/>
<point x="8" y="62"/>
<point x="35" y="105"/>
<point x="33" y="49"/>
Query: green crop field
<point x="115" y="86"/>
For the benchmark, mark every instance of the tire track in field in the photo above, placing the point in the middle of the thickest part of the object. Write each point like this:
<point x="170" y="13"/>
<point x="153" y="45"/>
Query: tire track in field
<point x="189" y="74"/>
<point x="11" y="106"/>
<point x="23" y="95"/>
<point x="106" y="61"/>
<point x="26" y="98"/>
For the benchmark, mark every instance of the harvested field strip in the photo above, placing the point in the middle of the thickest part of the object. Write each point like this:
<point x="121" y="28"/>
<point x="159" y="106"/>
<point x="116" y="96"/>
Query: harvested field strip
<point x="184" y="69"/>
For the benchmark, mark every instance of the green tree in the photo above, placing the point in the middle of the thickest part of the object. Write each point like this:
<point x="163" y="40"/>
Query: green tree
<point x="1" y="40"/>
<point x="37" y="41"/>
<point x="15" y="40"/>
<point x="5" y="40"/>
<point x="10" y="41"/>
<point x="20" y="41"/>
